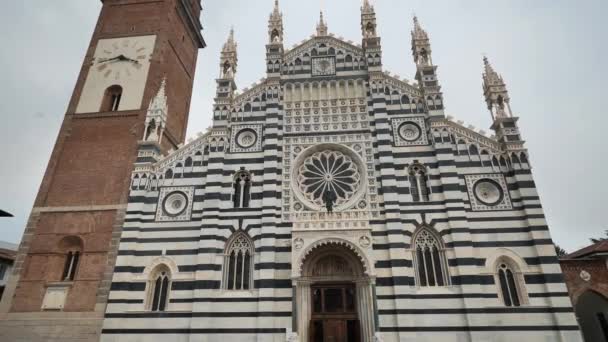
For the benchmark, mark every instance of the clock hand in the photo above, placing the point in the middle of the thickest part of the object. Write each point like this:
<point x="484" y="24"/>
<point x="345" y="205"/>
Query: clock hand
<point x="104" y="60"/>
<point x="124" y="58"/>
<point x="121" y="58"/>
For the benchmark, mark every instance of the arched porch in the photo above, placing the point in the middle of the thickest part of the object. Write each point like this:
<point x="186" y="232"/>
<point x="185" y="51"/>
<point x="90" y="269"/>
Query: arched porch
<point x="334" y="294"/>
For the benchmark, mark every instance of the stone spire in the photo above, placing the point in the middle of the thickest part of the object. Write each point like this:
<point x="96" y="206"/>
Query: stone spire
<point x="230" y="44"/>
<point x="368" y="20"/>
<point x="498" y="101"/>
<point x="321" y="26"/>
<point x="426" y="71"/>
<point x="275" y="25"/>
<point x="367" y="7"/>
<point x="418" y="32"/>
<point x="156" y="117"/>
<point x="370" y="41"/>
<point x="495" y="92"/>
<point x="274" y="48"/>
<point x="421" y="45"/>
<point x="229" y="58"/>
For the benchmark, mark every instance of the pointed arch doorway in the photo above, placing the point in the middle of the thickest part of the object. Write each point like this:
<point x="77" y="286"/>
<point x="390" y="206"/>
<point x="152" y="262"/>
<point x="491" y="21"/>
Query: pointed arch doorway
<point x="334" y="296"/>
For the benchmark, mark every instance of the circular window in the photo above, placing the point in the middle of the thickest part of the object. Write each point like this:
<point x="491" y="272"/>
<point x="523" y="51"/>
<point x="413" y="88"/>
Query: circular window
<point x="488" y="192"/>
<point x="246" y="138"/>
<point x="331" y="168"/>
<point x="175" y="203"/>
<point x="409" y="131"/>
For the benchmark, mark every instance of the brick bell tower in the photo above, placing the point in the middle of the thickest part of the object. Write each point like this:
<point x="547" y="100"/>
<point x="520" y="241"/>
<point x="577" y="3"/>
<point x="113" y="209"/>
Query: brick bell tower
<point x="64" y="265"/>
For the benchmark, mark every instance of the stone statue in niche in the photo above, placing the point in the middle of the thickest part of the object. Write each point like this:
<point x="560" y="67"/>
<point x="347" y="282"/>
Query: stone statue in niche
<point x="329" y="197"/>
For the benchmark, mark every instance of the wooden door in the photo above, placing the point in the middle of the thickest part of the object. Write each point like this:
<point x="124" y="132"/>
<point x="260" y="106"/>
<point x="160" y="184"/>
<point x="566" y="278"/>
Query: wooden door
<point x="334" y="330"/>
<point x="334" y="315"/>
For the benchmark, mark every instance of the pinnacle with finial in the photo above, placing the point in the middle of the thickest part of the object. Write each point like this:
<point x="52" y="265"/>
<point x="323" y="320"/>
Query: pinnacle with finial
<point x="160" y="100"/>
<point x="418" y="32"/>
<point x="276" y="14"/>
<point x="230" y="44"/>
<point x="490" y="76"/>
<point x="321" y="27"/>
<point x="367" y="7"/>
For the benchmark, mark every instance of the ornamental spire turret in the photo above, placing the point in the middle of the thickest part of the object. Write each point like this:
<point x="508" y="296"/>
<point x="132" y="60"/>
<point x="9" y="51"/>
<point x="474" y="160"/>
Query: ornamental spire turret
<point x="156" y="117"/>
<point x="370" y="41"/>
<point x="495" y="92"/>
<point x="368" y="20"/>
<point x="229" y="58"/>
<point x="367" y="7"/>
<point x="274" y="48"/>
<point x="426" y="71"/>
<point x="321" y="26"/>
<point x="225" y="83"/>
<point x="498" y="101"/>
<point x="275" y="25"/>
<point x="421" y="45"/>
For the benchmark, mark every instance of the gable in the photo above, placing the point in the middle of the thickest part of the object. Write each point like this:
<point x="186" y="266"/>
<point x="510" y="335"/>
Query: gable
<point x="317" y="47"/>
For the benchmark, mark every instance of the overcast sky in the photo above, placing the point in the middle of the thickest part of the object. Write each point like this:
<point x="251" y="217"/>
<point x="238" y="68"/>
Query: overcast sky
<point x="551" y="53"/>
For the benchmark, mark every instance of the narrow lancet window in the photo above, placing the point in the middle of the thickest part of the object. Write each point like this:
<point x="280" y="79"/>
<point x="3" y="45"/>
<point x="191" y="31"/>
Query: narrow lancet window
<point x="242" y="189"/>
<point x="429" y="260"/>
<point x="237" y="263"/>
<point x="418" y="183"/>
<point x="71" y="264"/>
<point x="508" y="285"/>
<point x="160" y="286"/>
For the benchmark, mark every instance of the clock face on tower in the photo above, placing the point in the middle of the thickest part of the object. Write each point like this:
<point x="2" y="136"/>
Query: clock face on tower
<point x="122" y="59"/>
<point x="122" y="62"/>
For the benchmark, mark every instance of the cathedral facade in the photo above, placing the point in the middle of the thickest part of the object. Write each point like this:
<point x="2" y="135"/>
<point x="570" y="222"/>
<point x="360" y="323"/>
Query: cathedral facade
<point x="332" y="201"/>
<point x="335" y="202"/>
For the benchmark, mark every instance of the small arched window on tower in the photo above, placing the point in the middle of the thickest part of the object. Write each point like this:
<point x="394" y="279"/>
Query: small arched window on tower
<point x="242" y="189"/>
<point x="227" y="70"/>
<point x="151" y="129"/>
<point x="510" y="282"/>
<point x="430" y="262"/>
<point x="238" y="263"/>
<point x="370" y="30"/>
<point x="418" y="183"/>
<point x="275" y="37"/>
<point x="111" y="99"/>
<point x="71" y="246"/>
<point x="159" y="287"/>
<point x="424" y="57"/>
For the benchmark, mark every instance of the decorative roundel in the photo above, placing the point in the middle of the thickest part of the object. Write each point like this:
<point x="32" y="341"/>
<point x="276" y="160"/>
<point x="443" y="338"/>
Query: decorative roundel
<point x="331" y="168"/>
<point x="246" y="138"/>
<point x="488" y="192"/>
<point x="409" y="131"/>
<point x="175" y="203"/>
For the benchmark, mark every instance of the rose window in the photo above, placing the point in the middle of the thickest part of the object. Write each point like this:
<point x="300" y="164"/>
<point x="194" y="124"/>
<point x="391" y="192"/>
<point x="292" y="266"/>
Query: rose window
<point x="328" y="170"/>
<point x="175" y="203"/>
<point x="409" y="131"/>
<point x="488" y="192"/>
<point x="246" y="138"/>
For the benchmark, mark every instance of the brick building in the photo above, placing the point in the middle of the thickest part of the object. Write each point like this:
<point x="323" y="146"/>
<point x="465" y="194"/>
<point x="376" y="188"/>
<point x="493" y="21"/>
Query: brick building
<point x="62" y="274"/>
<point x="586" y="275"/>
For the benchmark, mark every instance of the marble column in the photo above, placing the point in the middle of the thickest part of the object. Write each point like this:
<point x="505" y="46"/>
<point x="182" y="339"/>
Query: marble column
<point x="365" y="307"/>
<point x="303" y="304"/>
